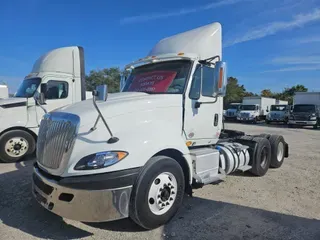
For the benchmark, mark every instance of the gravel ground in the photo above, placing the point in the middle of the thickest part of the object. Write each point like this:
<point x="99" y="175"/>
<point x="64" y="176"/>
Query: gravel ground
<point x="284" y="204"/>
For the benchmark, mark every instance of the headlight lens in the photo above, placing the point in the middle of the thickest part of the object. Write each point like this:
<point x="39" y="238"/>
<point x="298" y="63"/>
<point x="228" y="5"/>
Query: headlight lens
<point x="313" y="118"/>
<point x="291" y="117"/>
<point x="100" y="160"/>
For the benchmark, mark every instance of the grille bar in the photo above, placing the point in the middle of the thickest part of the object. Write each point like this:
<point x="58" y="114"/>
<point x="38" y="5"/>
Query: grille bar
<point x="56" y="138"/>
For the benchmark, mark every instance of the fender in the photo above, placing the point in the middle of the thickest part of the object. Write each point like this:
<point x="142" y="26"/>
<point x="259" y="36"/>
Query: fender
<point x="141" y="141"/>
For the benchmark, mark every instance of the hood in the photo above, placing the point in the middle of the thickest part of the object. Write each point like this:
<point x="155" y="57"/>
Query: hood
<point x="13" y="102"/>
<point x="302" y="113"/>
<point x="120" y="104"/>
<point x="232" y="110"/>
<point x="248" y="111"/>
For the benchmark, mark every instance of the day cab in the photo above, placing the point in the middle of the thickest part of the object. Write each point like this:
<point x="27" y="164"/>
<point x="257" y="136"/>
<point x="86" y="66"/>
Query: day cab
<point x="59" y="77"/>
<point x="135" y="153"/>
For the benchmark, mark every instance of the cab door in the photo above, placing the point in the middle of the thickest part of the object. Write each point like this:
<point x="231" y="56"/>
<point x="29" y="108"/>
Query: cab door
<point x="59" y="93"/>
<point x="203" y="113"/>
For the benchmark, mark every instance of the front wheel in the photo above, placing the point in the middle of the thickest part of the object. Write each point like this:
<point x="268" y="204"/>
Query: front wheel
<point x="15" y="145"/>
<point x="158" y="192"/>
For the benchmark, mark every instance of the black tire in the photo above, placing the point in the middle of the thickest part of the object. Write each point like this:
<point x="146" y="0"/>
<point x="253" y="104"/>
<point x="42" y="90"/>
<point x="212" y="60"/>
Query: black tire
<point x="315" y="126"/>
<point x="275" y="142"/>
<point x="262" y="154"/>
<point x="268" y="122"/>
<point x="4" y="138"/>
<point x="265" y="135"/>
<point x="139" y="210"/>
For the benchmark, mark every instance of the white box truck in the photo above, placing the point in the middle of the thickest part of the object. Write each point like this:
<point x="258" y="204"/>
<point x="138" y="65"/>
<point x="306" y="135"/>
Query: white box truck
<point x="4" y="91"/>
<point x="59" y="75"/>
<point x="136" y="153"/>
<point x="254" y="109"/>
<point x="232" y="111"/>
<point x="306" y="110"/>
<point x="279" y="112"/>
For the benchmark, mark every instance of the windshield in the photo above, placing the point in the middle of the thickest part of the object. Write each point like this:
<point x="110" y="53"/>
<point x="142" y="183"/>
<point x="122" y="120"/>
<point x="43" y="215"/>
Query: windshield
<point x="233" y="106"/>
<point x="28" y="87"/>
<point x="304" y="108"/>
<point x="165" y="77"/>
<point x="248" y="107"/>
<point x="278" y="107"/>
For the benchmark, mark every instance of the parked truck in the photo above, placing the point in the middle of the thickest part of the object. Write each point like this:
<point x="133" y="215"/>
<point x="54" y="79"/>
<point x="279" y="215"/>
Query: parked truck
<point x="279" y="112"/>
<point x="232" y="111"/>
<point x="60" y="76"/>
<point x="306" y="110"/>
<point x="4" y="91"/>
<point x="254" y="109"/>
<point x="137" y="152"/>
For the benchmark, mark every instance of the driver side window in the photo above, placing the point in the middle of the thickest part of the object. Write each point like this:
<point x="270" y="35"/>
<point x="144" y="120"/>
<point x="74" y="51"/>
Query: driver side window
<point x="57" y="90"/>
<point x="203" y="75"/>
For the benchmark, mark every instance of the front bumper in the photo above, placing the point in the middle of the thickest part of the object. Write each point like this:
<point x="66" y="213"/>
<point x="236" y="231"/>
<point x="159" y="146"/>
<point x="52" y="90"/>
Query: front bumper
<point x="245" y="118"/>
<point x="302" y="123"/>
<point x="85" y="198"/>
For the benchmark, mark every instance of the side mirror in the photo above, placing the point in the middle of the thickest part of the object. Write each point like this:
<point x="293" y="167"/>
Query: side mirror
<point x="42" y="95"/>
<point x="122" y="82"/>
<point x="101" y="93"/>
<point x="220" y="78"/>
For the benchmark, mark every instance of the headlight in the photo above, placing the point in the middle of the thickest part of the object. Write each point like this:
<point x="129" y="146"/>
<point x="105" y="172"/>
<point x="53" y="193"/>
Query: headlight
<point x="100" y="160"/>
<point x="291" y="117"/>
<point x="313" y="118"/>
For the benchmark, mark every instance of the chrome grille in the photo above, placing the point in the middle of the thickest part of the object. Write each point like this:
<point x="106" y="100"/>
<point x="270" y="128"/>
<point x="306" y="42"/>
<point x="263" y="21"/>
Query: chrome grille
<point x="245" y="115"/>
<point x="301" y="117"/>
<point x="56" y="138"/>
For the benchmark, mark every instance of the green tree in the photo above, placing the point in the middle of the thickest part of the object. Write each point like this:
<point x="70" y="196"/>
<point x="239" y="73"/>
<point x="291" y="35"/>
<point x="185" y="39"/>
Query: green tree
<point x="266" y="93"/>
<point x="288" y="93"/>
<point x="235" y="92"/>
<point x="109" y="76"/>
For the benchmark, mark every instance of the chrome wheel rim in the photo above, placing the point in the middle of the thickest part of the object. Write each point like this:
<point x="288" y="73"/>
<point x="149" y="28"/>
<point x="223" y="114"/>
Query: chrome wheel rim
<point x="16" y="147"/>
<point x="280" y="151"/>
<point x="162" y="193"/>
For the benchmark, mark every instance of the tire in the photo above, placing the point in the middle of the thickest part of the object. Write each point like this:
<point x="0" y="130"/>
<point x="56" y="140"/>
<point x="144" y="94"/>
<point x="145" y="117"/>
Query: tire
<point x="264" y="135"/>
<point x="143" y="206"/>
<point x="261" y="157"/>
<point x="277" y="150"/>
<point x="315" y="126"/>
<point x="16" y="139"/>
<point x="268" y="122"/>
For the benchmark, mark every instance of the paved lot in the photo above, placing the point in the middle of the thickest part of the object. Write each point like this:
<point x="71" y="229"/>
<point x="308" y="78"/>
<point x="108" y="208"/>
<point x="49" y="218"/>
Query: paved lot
<point x="284" y="204"/>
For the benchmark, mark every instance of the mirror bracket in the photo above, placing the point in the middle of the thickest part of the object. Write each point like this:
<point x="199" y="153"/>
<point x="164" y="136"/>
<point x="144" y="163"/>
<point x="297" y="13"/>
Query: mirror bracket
<point x="101" y="93"/>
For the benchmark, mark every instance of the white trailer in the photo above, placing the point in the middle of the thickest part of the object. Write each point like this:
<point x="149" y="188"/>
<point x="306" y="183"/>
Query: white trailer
<point x="4" y="91"/>
<point x="59" y="76"/>
<point x="306" y="110"/>
<point x="281" y="102"/>
<point x="254" y="109"/>
<point x="136" y="153"/>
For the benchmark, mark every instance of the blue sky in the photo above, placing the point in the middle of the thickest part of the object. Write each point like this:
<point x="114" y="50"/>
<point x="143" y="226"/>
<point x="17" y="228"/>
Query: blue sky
<point x="267" y="43"/>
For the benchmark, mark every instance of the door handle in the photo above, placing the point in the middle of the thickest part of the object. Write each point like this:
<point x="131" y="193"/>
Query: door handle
<point x="216" y="118"/>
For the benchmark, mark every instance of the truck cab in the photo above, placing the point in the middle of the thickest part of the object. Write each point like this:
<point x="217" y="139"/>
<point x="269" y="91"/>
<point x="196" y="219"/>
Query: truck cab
<point x="248" y="112"/>
<point x="305" y="115"/>
<point x="278" y="113"/>
<point x="306" y="110"/>
<point x="137" y="152"/>
<point x="57" y="76"/>
<point x="232" y="111"/>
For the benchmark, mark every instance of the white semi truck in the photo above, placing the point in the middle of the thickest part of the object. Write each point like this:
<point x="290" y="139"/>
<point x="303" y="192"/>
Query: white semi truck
<point x="60" y="76"/>
<point x="306" y="110"/>
<point x="254" y="109"/>
<point x="232" y="111"/>
<point x="279" y="112"/>
<point x="135" y="153"/>
<point x="4" y="91"/>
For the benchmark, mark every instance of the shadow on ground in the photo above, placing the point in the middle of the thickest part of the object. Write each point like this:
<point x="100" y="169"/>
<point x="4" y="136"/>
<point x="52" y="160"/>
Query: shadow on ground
<point x="19" y="210"/>
<point x="197" y="219"/>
